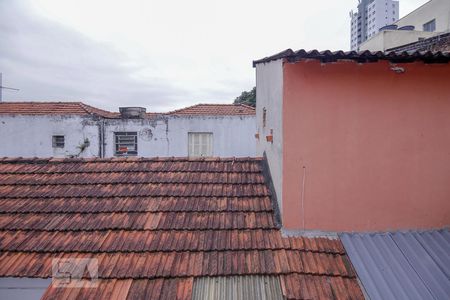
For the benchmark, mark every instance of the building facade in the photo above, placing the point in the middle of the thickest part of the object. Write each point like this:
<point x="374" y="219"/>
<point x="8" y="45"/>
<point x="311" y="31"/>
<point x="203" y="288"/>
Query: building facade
<point x="370" y="16"/>
<point x="347" y="155"/>
<point x="77" y="130"/>
<point x="433" y="16"/>
<point x="436" y="43"/>
<point x="426" y="22"/>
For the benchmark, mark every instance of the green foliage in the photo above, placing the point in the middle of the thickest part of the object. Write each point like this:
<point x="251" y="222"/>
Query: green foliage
<point x="247" y="98"/>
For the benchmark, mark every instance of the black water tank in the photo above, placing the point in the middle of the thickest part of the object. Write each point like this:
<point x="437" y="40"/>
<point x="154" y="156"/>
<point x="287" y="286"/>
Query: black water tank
<point x="407" y="27"/>
<point x="132" y="112"/>
<point x="389" y="27"/>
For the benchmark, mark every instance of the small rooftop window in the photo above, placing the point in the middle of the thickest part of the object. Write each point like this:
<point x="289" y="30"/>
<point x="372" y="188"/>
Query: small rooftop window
<point x="58" y="141"/>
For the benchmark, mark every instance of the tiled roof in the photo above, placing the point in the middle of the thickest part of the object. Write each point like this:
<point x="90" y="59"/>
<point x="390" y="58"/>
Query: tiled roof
<point x="79" y="108"/>
<point x="52" y="108"/>
<point x="361" y="57"/>
<point x="216" y="109"/>
<point x="402" y="265"/>
<point x="155" y="225"/>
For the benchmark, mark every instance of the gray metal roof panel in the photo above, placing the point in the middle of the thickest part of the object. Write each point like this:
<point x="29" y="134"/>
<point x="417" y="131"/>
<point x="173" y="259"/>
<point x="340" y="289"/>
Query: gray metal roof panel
<point x="237" y="287"/>
<point x="401" y="265"/>
<point x="437" y="245"/>
<point x="423" y="264"/>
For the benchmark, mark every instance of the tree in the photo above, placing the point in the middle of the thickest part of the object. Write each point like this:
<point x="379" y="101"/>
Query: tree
<point x="247" y="98"/>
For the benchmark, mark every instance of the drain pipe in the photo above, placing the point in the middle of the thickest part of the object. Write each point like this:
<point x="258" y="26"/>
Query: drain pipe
<point x="101" y="138"/>
<point x="303" y="197"/>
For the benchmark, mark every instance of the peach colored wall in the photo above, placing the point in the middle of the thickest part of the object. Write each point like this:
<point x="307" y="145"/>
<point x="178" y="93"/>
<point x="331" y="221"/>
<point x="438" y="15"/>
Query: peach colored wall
<point x="375" y="146"/>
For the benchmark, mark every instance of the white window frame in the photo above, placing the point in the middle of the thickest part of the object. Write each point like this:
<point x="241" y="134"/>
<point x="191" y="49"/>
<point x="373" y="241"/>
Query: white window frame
<point x="203" y="147"/>
<point x="119" y="144"/>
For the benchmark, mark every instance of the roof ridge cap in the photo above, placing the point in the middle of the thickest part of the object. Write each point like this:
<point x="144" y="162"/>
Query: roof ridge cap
<point x="96" y="111"/>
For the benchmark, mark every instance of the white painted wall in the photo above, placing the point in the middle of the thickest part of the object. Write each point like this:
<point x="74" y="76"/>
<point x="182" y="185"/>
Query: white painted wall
<point x="393" y="38"/>
<point x="152" y="136"/>
<point x="29" y="136"/>
<point x="269" y="95"/>
<point x="23" y="288"/>
<point x="163" y="135"/>
<point x="168" y="135"/>
<point x="434" y="9"/>
<point x="232" y="135"/>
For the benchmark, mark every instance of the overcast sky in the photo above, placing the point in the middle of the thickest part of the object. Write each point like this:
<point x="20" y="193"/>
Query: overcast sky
<point x="159" y="54"/>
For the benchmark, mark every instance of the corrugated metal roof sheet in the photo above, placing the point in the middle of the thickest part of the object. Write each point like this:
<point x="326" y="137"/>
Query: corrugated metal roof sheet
<point x="237" y="287"/>
<point x="402" y="265"/>
<point x="361" y="57"/>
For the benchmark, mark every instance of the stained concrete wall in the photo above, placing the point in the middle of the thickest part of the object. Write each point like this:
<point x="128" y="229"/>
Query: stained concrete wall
<point x="30" y="136"/>
<point x="168" y="135"/>
<point x="232" y="135"/>
<point x="152" y="135"/>
<point x="161" y="135"/>
<point x="365" y="148"/>
<point x="269" y="96"/>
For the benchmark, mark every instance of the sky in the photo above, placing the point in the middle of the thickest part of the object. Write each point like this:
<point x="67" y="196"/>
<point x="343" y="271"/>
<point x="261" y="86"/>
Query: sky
<point x="158" y="54"/>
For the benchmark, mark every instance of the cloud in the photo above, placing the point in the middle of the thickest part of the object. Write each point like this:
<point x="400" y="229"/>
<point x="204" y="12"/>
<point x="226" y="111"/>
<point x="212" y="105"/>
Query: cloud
<point x="47" y="61"/>
<point x="158" y="54"/>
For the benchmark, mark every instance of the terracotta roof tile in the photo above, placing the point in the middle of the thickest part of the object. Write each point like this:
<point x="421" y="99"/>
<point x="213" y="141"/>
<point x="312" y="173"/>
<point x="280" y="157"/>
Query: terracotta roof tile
<point x="300" y="286"/>
<point x="155" y="225"/>
<point x="80" y="108"/>
<point x="53" y="108"/>
<point x="216" y="109"/>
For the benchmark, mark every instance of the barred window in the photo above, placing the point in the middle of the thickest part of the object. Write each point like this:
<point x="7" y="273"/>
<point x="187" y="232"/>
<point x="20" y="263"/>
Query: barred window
<point x="125" y="143"/>
<point x="58" y="141"/>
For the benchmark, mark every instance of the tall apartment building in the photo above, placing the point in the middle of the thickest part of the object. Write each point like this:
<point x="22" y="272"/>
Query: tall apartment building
<point x="371" y="15"/>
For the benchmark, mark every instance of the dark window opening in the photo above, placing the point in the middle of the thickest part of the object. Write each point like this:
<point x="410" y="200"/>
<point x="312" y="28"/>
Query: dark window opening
<point x="58" y="141"/>
<point x="430" y="26"/>
<point x="264" y="117"/>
